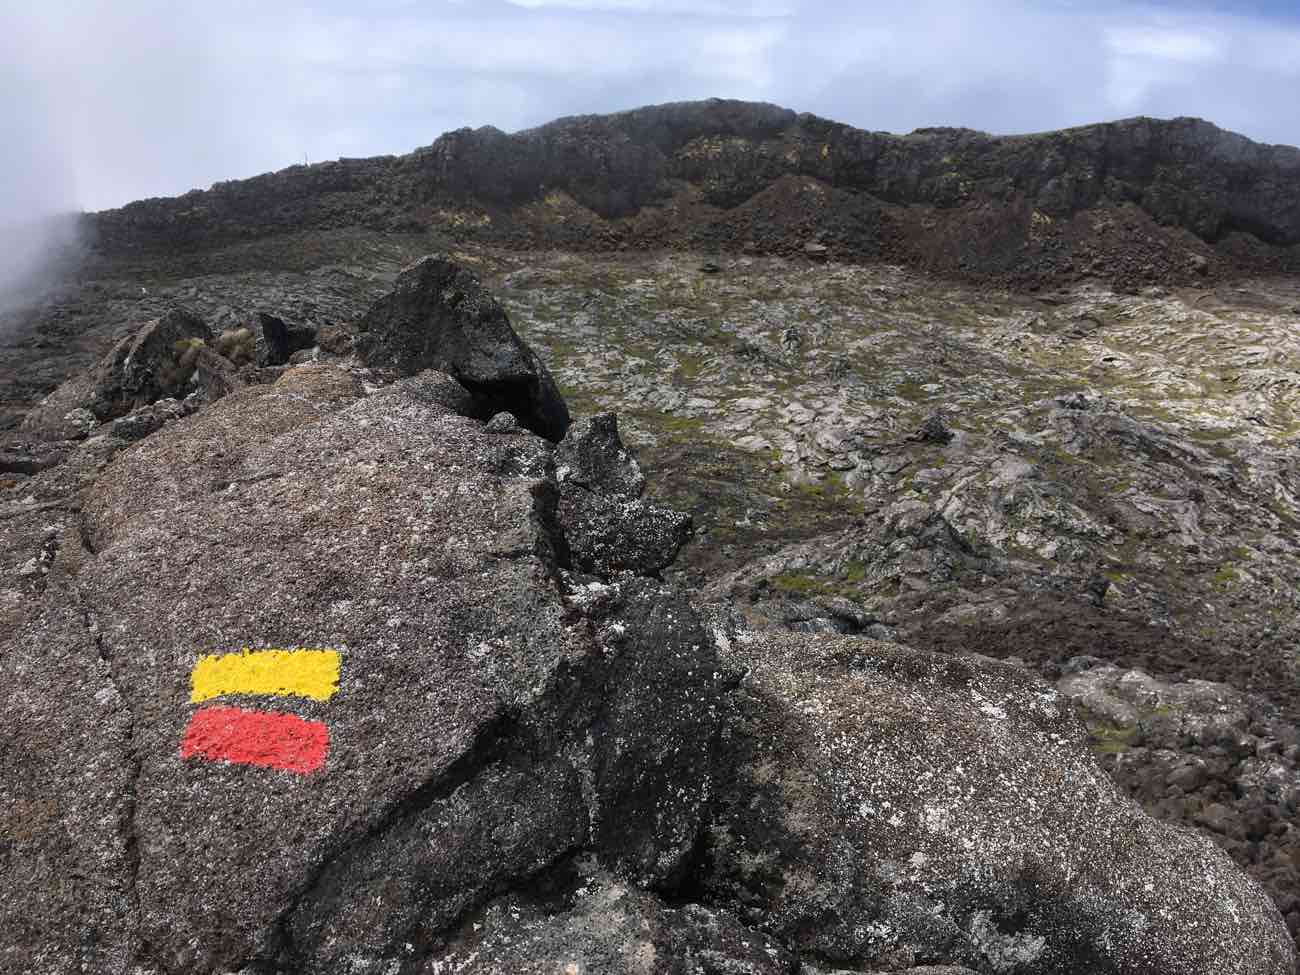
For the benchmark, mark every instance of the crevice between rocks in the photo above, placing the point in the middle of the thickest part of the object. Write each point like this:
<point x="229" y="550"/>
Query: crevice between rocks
<point x="129" y="827"/>
<point x="129" y="830"/>
<point x="688" y="887"/>
<point x="522" y="398"/>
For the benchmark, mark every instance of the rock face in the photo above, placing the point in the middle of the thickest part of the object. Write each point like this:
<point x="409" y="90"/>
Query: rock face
<point x="333" y="675"/>
<point x="461" y="606"/>
<point x="598" y="924"/>
<point x="439" y="317"/>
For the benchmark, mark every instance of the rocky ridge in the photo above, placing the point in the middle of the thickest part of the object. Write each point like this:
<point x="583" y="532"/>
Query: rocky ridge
<point x="739" y="175"/>
<point x="533" y="757"/>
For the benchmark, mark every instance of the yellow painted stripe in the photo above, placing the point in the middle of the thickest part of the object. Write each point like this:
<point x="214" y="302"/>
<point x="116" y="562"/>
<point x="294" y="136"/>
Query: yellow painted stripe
<point x="291" y="673"/>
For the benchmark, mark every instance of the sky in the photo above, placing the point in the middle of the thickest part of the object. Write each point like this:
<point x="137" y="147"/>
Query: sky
<point x="105" y="102"/>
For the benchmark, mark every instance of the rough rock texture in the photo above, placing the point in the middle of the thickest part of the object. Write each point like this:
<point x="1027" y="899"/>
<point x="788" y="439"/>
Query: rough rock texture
<point x="1119" y="483"/>
<point x="426" y="551"/>
<point x="596" y="925"/>
<point x="535" y="747"/>
<point x="1203" y="754"/>
<point x="141" y="422"/>
<point x="608" y="527"/>
<point x="67" y="800"/>
<point x="155" y="362"/>
<point x="863" y="827"/>
<point x="439" y="317"/>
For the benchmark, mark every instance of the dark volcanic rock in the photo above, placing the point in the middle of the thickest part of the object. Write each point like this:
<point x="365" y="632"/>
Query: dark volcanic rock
<point x="603" y="927"/>
<point x="478" y="702"/>
<point x="594" y="457"/>
<point x="282" y="339"/>
<point x="608" y="527"/>
<point x="439" y="317"/>
<point x="520" y="755"/>
<point x="659" y="728"/>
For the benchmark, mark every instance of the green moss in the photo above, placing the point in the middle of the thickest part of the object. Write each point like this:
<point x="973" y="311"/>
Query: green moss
<point x="801" y="585"/>
<point x="1224" y="578"/>
<point x="689" y="367"/>
<point x="1211" y="435"/>
<point x="910" y="390"/>
<point x="673" y="426"/>
<point x="807" y="585"/>
<point x="1111" y="739"/>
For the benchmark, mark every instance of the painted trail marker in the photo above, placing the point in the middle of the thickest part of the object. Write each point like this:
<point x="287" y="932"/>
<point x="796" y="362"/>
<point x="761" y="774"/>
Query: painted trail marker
<point x="265" y="738"/>
<point x="283" y="673"/>
<point x="269" y="739"/>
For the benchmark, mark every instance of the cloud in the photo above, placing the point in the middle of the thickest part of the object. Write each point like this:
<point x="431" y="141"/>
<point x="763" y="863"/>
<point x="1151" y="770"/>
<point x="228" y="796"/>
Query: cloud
<point x="713" y="8"/>
<point x="1170" y="45"/>
<point x="108" y="102"/>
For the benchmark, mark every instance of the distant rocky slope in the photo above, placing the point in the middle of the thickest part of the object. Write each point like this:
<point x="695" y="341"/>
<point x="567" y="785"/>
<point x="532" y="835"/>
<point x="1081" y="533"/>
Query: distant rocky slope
<point x="337" y="666"/>
<point x="1134" y="201"/>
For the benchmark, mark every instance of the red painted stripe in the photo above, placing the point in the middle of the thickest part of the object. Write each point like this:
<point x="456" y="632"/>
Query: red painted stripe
<point x="265" y="738"/>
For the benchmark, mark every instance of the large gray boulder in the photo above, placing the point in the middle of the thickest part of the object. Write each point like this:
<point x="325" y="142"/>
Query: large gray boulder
<point x="893" y="807"/>
<point x="490" y="717"/>
<point x="438" y="316"/>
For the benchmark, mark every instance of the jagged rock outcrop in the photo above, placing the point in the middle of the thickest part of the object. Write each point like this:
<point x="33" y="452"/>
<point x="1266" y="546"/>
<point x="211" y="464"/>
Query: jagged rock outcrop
<point x="597" y="924"/>
<point x="608" y="526"/>
<point x="316" y="679"/>
<point x="438" y="316"/>
<point x="469" y="683"/>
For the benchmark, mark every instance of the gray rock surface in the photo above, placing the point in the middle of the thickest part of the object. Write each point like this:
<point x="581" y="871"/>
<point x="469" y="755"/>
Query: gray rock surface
<point x="141" y="422"/>
<point x="438" y="316"/>
<point x="67" y="800"/>
<point x="864" y="823"/>
<point x="478" y="702"/>
<point x="598" y="925"/>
